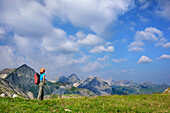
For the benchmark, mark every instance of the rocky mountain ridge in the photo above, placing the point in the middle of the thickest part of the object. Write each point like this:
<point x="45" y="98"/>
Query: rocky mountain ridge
<point x="9" y="89"/>
<point x="131" y="87"/>
<point x="97" y="85"/>
<point x="23" y="79"/>
<point x="70" y="79"/>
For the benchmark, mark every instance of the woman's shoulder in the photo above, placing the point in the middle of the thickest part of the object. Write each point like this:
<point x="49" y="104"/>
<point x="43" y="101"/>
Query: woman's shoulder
<point x="43" y="74"/>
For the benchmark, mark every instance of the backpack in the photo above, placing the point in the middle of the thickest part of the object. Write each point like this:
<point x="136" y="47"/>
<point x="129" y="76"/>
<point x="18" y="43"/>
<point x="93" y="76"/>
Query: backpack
<point x="36" y="78"/>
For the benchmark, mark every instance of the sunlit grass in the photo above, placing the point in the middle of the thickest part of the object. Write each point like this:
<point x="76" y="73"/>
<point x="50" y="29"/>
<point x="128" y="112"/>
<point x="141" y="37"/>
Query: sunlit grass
<point x="114" y="103"/>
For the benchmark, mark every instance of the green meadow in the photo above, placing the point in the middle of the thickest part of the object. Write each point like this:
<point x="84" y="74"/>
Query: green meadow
<point x="100" y="104"/>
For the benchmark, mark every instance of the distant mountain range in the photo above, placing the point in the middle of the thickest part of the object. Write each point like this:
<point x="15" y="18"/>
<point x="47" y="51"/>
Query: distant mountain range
<point x="131" y="87"/>
<point x="21" y="81"/>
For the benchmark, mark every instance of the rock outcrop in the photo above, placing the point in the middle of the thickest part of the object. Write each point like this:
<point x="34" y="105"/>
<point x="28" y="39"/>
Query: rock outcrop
<point x="98" y="86"/>
<point x="5" y="72"/>
<point x="23" y="77"/>
<point x="167" y="91"/>
<point x="10" y="90"/>
<point x="71" y="79"/>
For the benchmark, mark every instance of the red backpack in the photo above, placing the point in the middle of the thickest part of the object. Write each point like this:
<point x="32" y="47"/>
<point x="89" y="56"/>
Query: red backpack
<point x="36" y="78"/>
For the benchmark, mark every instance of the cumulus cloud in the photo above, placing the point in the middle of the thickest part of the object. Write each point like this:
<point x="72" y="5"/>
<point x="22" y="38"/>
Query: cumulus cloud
<point x="83" y="59"/>
<point x="80" y="35"/>
<point x="124" y="71"/>
<point x="103" y="59"/>
<point x="143" y="19"/>
<point x="165" y="56"/>
<point x="119" y="60"/>
<point x="91" y="39"/>
<point x="150" y="34"/>
<point x="35" y="40"/>
<point x="163" y="9"/>
<point x="99" y="49"/>
<point x="58" y="42"/>
<point x="136" y="46"/>
<point x="136" y="43"/>
<point x="96" y="15"/>
<point x="92" y="66"/>
<point x="144" y="4"/>
<point x="27" y="18"/>
<point x="144" y="59"/>
<point x="166" y="45"/>
<point x="2" y="31"/>
<point x="8" y="58"/>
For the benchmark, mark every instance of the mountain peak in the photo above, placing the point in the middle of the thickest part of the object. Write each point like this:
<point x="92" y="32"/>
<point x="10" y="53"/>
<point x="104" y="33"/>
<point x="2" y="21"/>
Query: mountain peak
<point x="23" y="70"/>
<point x="73" y="75"/>
<point x="7" y="71"/>
<point x="24" y="65"/>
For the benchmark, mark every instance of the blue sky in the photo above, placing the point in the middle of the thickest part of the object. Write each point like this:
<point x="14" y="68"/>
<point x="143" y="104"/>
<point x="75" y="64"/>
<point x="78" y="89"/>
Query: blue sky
<point x="111" y="39"/>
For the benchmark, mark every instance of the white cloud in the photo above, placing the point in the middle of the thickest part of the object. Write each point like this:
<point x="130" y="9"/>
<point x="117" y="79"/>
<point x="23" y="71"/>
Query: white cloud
<point x="123" y="40"/>
<point x="143" y="19"/>
<point x="132" y="28"/>
<point x="95" y="14"/>
<point x="83" y="59"/>
<point x="59" y="42"/>
<point x="145" y="5"/>
<point x="119" y="60"/>
<point x="80" y="35"/>
<point x="27" y="18"/>
<point x="142" y="1"/>
<point x="124" y="71"/>
<point x="36" y="41"/>
<point x="92" y="66"/>
<point x="2" y="30"/>
<point x="136" y="46"/>
<point x="103" y="59"/>
<point x="8" y="58"/>
<point x="136" y="43"/>
<point x="149" y="34"/>
<point x="165" y="57"/>
<point x="144" y="59"/>
<point x="99" y="49"/>
<point x="166" y="45"/>
<point x="161" y="42"/>
<point x="132" y="69"/>
<point x="163" y="9"/>
<point x="137" y="49"/>
<point x="91" y="39"/>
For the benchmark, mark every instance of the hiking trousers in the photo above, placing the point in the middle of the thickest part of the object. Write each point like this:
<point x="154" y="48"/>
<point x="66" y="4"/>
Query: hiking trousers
<point x="41" y="91"/>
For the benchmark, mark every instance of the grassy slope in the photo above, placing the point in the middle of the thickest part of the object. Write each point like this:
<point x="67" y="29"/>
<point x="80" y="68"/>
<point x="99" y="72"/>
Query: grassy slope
<point x="115" y="103"/>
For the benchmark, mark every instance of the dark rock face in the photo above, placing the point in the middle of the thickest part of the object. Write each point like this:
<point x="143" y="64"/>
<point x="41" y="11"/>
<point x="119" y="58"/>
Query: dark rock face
<point x="96" y="85"/>
<point x="130" y="87"/>
<point x="122" y="83"/>
<point x="23" y="77"/>
<point x="6" y="71"/>
<point x="63" y="79"/>
<point x="9" y="90"/>
<point x="71" y="79"/>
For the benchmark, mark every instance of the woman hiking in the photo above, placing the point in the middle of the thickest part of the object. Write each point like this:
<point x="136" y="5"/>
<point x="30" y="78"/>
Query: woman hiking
<point x="41" y="84"/>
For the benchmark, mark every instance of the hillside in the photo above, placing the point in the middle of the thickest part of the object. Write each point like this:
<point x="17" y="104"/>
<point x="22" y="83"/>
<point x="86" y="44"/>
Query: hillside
<point x="9" y="90"/>
<point x="131" y="87"/>
<point x="96" y="85"/>
<point x="102" y="104"/>
<point x="23" y="77"/>
<point x="5" y="72"/>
